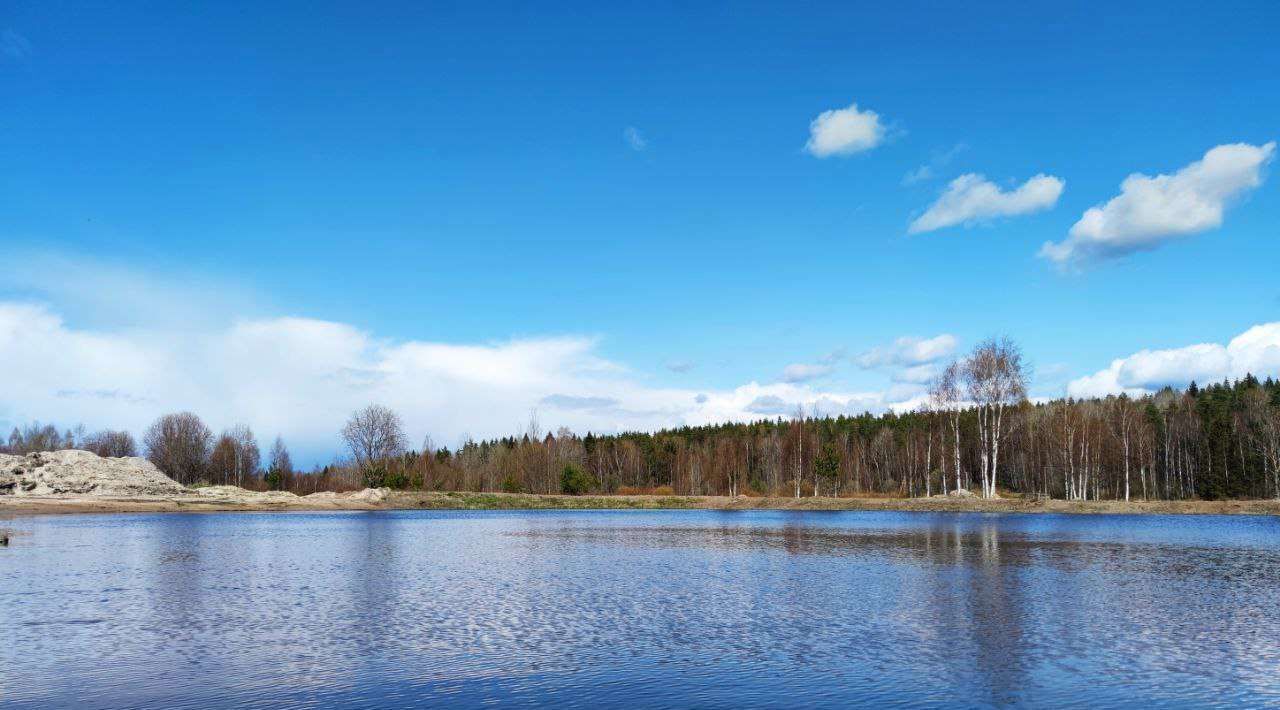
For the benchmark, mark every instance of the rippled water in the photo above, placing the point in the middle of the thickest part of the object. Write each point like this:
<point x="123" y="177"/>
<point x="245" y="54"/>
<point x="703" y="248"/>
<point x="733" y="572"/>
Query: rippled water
<point x="638" y="609"/>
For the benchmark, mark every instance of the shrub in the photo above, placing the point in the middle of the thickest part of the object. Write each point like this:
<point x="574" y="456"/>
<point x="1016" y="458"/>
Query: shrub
<point x="397" y="480"/>
<point x="574" y="481"/>
<point x="511" y="484"/>
<point x="374" y="475"/>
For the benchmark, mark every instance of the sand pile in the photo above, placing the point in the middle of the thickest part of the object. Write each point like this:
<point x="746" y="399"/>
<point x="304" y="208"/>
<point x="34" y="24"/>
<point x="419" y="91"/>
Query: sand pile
<point x="371" y="495"/>
<point x="66" y="477"/>
<point x="232" y="494"/>
<point x="240" y="495"/>
<point x="82" y="473"/>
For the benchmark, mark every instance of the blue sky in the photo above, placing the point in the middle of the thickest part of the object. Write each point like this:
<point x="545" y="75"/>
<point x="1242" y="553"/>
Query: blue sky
<point x="632" y="178"/>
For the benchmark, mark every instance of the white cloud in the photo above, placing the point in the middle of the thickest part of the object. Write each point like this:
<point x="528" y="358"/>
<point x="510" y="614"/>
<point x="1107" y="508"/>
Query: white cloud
<point x="770" y="404"/>
<point x="1256" y="351"/>
<point x="931" y="168"/>
<point x="905" y="396"/>
<point x="844" y="131"/>
<point x="565" y="401"/>
<point x="918" y="374"/>
<point x="909" y="351"/>
<point x="1150" y="211"/>
<point x="920" y="174"/>
<point x="804" y="372"/>
<point x="301" y="378"/>
<point x="972" y="198"/>
<point x="633" y="138"/>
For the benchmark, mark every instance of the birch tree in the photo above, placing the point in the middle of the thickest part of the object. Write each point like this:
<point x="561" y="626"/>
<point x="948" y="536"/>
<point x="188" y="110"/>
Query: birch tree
<point x="996" y="380"/>
<point x="944" y="394"/>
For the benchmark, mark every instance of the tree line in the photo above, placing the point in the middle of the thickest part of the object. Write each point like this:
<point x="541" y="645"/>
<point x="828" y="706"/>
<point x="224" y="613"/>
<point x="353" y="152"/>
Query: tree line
<point x="179" y="444"/>
<point x="978" y="433"/>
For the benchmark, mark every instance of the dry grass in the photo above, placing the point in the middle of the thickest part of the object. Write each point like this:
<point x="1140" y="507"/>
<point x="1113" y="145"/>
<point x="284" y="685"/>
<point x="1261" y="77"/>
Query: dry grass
<point x="525" y="501"/>
<point x="651" y="491"/>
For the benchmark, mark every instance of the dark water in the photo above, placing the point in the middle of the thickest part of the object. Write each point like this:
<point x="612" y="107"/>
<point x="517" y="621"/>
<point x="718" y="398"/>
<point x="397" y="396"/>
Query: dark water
<point x="639" y="609"/>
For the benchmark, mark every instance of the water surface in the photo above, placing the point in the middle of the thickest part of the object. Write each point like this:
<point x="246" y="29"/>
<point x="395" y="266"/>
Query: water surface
<point x="638" y="609"/>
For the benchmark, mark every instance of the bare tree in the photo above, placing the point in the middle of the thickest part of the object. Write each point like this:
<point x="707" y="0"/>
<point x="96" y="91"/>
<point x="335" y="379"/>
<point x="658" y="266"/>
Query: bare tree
<point x="996" y="379"/>
<point x="374" y="434"/>
<point x="944" y="394"/>
<point x="35" y="437"/>
<point x="799" y="417"/>
<point x="1264" y="425"/>
<point x="1124" y="421"/>
<point x="178" y="444"/>
<point x="280" y="460"/>
<point x="235" y="456"/>
<point x="111" y="443"/>
<point x="279" y="467"/>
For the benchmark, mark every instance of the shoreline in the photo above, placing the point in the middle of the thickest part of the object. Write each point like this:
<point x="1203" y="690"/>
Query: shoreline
<point x="411" y="500"/>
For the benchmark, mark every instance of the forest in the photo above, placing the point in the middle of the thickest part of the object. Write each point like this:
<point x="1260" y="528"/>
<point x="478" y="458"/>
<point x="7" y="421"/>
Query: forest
<point x="978" y="433"/>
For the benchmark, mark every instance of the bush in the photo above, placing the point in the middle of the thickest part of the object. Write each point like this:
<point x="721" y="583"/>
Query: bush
<point x="511" y="484"/>
<point x="374" y="475"/>
<point x="397" y="480"/>
<point x="574" y="481"/>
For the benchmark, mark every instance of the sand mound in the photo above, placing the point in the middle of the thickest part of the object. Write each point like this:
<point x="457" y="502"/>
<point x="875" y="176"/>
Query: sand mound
<point x="372" y="495"/>
<point x="82" y="473"/>
<point x="232" y="494"/>
<point x="240" y="495"/>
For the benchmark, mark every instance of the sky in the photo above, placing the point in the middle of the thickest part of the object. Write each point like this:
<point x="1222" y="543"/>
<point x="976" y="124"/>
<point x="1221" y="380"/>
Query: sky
<point x="622" y="215"/>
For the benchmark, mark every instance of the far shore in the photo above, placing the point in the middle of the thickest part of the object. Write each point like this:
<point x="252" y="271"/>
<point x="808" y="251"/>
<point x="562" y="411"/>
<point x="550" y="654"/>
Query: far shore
<point x="421" y="500"/>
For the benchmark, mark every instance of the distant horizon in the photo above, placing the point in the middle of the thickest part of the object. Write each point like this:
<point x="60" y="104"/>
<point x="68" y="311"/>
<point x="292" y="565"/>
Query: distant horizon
<point x="311" y="462"/>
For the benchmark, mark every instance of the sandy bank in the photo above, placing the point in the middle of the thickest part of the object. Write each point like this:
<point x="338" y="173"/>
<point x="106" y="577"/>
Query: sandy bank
<point x="230" y="499"/>
<point x="74" y="481"/>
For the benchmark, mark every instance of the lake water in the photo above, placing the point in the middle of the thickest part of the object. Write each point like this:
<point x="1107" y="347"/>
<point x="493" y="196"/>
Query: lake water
<point x="638" y="609"/>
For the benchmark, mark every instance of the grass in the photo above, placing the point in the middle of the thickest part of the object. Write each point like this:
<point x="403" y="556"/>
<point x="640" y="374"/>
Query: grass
<point x="460" y="500"/>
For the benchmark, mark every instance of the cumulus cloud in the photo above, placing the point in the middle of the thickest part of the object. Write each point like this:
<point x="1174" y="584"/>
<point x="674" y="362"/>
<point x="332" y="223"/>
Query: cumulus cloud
<point x="844" y="131"/>
<point x="1255" y="351"/>
<point x="918" y="374"/>
<point x="301" y="378"/>
<point x="804" y="372"/>
<point x="972" y="198"/>
<point x="1150" y="211"/>
<point x="770" y="404"/>
<point x="632" y="136"/>
<point x="909" y="351"/>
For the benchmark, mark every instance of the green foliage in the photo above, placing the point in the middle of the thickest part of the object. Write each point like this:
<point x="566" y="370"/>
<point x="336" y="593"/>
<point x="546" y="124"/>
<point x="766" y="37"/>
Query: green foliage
<point x="827" y="465"/>
<point x="274" y="479"/>
<point x="511" y="484"/>
<point x="574" y="481"/>
<point x="374" y="475"/>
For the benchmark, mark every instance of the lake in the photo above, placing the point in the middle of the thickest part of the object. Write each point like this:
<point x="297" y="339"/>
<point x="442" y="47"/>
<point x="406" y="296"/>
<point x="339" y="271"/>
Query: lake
<point x="638" y="609"/>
